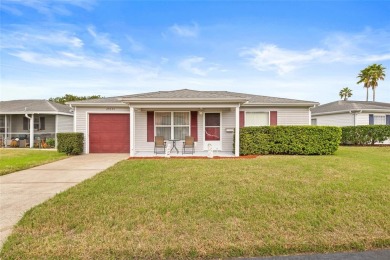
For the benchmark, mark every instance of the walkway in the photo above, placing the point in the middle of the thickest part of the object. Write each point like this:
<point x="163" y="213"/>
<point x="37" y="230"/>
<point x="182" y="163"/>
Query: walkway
<point x="25" y="189"/>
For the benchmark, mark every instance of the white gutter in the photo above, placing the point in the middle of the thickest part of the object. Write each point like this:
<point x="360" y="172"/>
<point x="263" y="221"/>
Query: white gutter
<point x="31" y="128"/>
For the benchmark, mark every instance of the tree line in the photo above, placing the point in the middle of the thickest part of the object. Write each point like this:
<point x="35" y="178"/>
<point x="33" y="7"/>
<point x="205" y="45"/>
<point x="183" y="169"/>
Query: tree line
<point x="70" y="97"/>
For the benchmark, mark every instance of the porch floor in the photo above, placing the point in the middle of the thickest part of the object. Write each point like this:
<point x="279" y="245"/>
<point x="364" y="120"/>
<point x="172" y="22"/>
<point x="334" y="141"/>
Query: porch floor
<point x="174" y="154"/>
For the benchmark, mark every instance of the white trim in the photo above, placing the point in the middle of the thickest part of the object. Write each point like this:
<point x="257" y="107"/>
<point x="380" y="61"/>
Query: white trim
<point x="75" y="120"/>
<point x="237" y="133"/>
<point x="132" y="131"/>
<point x="191" y="107"/>
<point x="36" y="112"/>
<point x="220" y="130"/>
<point x="55" y="129"/>
<point x="172" y="126"/>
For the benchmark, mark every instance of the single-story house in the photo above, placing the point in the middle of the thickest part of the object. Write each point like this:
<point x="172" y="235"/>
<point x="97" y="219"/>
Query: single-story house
<point x="130" y="123"/>
<point x="351" y="113"/>
<point x="33" y="120"/>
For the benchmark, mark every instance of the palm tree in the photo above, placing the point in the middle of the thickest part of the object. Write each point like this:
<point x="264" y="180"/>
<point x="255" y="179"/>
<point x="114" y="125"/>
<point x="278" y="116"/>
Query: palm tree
<point x="377" y="72"/>
<point x="364" y="76"/>
<point x="345" y="93"/>
<point x="370" y="77"/>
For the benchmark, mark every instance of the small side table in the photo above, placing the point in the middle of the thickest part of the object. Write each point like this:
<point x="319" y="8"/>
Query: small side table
<point x="174" y="144"/>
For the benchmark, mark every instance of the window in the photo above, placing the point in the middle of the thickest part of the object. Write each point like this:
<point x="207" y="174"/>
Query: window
<point x="172" y="125"/>
<point x="256" y="119"/>
<point x="2" y="124"/>
<point x="39" y="123"/>
<point x="379" y="119"/>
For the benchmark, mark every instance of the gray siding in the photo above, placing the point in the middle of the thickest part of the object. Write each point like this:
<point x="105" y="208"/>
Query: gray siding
<point x="64" y="124"/>
<point x="336" y="120"/>
<point x="286" y="116"/>
<point x="17" y="124"/>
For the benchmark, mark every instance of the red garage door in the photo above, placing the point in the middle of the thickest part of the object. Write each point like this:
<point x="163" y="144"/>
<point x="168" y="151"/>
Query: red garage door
<point x="109" y="133"/>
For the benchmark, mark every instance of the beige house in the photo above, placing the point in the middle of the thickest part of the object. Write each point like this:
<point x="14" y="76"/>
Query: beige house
<point x="130" y="123"/>
<point x="30" y="121"/>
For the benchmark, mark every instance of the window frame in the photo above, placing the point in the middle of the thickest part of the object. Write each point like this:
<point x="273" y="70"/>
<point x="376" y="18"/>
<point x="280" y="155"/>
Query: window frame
<point x="172" y="125"/>
<point x="39" y="123"/>
<point x="375" y="117"/>
<point x="262" y="112"/>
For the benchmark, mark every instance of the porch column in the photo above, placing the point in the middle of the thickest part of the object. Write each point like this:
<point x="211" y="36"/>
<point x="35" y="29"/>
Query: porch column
<point x="32" y="131"/>
<point x="132" y="129"/>
<point x="237" y="133"/>
<point x="55" y="131"/>
<point x="5" y="130"/>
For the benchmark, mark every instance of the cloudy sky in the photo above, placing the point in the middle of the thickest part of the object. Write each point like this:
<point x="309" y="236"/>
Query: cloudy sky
<point x="294" y="49"/>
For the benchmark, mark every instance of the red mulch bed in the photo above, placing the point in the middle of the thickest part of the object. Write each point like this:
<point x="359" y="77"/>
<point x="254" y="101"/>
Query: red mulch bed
<point x="195" y="157"/>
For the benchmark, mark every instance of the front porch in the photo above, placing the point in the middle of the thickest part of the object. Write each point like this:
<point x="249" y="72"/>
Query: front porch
<point x="200" y="154"/>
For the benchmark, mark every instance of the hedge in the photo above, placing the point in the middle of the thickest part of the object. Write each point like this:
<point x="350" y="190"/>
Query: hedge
<point x="303" y="140"/>
<point x="365" y="134"/>
<point x="70" y="143"/>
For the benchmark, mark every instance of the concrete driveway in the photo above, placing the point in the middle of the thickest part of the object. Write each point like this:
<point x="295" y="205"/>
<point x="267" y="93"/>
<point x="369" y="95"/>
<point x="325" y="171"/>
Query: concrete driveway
<point x="25" y="189"/>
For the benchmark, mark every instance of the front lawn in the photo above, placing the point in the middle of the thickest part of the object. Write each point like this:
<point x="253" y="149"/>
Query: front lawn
<point x="200" y="208"/>
<point x="16" y="159"/>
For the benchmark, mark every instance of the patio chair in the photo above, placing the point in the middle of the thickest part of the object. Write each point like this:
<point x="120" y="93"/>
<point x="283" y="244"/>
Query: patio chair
<point x="22" y="143"/>
<point x="189" y="145"/>
<point x="159" y="143"/>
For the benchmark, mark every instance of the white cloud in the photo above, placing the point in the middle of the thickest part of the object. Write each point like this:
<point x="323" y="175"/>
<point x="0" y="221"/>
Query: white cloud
<point x="45" y="7"/>
<point x="134" y="45"/>
<point x="270" y="57"/>
<point x="102" y="39"/>
<point x="28" y="38"/>
<point x="193" y="65"/>
<point x="191" y="31"/>
<point x="361" y="48"/>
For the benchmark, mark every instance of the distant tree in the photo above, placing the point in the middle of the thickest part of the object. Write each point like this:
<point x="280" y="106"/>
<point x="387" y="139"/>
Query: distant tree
<point x="370" y="77"/>
<point x="345" y="93"/>
<point x="364" y="77"/>
<point x="377" y="72"/>
<point x="70" y="97"/>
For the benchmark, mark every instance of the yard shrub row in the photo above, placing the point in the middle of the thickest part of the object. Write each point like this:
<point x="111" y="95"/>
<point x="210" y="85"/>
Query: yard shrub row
<point x="365" y="134"/>
<point x="303" y="140"/>
<point x="70" y="143"/>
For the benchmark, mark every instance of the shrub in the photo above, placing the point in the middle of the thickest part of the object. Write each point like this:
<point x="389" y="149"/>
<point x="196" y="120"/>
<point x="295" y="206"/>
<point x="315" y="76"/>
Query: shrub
<point x="303" y="140"/>
<point x="50" y="142"/>
<point x="365" y="134"/>
<point x="70" y="143"/>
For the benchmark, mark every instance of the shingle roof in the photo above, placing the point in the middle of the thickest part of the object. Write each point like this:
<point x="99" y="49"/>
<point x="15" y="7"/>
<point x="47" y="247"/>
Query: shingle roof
<point x="33" y="105"/>
<point x="349" y="105"/>
<point x="187" y="94"/>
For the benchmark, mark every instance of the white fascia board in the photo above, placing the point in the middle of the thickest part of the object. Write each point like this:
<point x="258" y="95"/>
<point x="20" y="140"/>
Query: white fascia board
<point x="352" y="111"/>
<point x="186" y="106"/>
<point x="99" y="104"/>
<point x="279" y="104"/>
<point x="183" y="100"/>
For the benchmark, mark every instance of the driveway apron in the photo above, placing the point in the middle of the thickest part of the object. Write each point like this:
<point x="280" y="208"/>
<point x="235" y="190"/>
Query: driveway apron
<point x="25" y="189"/>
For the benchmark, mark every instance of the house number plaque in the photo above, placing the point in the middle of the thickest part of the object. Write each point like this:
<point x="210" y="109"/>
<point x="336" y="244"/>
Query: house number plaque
<point x="110" y="108"/>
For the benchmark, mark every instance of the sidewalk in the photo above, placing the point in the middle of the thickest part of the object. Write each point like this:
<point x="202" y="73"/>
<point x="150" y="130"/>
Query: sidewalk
<point x="25" y="189"/>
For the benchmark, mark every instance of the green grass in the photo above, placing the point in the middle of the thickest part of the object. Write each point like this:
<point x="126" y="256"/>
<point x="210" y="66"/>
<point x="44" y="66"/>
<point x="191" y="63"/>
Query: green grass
<point x="12" y="160"/>
<point x="182" y="208"/>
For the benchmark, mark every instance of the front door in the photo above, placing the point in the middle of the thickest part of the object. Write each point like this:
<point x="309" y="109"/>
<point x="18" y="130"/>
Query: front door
<point x="212" y="131"/>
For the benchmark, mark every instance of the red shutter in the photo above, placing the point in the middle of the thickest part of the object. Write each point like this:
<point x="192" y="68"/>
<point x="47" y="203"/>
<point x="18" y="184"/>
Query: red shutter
<point x="273" y="118"/>
<point x="150" y="126"/>
<point x="242" y="119"/>
<point x="194" y="125"/>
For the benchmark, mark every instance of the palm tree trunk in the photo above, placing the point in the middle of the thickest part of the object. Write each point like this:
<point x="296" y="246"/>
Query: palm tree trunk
<point x="373" y="94"/>
<point x="367" y="95"/>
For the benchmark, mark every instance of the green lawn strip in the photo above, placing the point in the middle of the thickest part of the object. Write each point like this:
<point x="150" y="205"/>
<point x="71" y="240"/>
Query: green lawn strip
<point x="12" y="160"/>
<point x="199" y="208"/>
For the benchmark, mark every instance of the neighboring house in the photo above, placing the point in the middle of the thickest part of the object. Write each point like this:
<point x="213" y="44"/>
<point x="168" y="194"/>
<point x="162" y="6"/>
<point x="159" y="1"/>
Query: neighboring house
<point x="130" y="123"/>
<point x="33" y="120"/>
<point x="351" y="113"/>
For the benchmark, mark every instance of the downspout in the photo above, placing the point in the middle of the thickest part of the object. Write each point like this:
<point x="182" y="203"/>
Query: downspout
<point x="31" y="129"/>
<point x="354" y="116"/>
